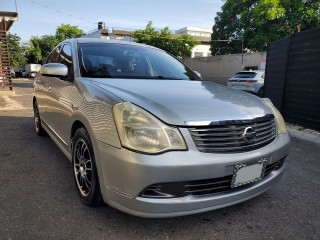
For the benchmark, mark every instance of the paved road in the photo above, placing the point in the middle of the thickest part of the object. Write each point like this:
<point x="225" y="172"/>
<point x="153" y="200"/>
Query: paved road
<point x="38" y="199"/>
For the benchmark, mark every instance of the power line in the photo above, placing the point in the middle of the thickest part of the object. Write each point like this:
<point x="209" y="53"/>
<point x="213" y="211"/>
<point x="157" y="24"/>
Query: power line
<point x="64" y="13"/>
<point x="228" y="40"/>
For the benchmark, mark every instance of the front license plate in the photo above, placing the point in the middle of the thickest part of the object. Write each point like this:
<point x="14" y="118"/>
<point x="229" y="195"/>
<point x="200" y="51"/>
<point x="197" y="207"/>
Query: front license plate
<point x="244" y="173"/>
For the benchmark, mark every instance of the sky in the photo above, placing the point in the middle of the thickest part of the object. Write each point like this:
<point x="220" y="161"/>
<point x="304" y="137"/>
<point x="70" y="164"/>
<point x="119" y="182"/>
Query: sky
<point x="37" y="20"/>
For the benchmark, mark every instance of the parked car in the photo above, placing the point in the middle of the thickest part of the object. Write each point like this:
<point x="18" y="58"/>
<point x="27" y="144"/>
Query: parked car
<point x="148" y="137"/>
<point x="12" y="73"/>
<point x="32" y="69"/>
<point x="32" y="74"/>
<point x="249" y="81"/>
<point x="21" y="74"/>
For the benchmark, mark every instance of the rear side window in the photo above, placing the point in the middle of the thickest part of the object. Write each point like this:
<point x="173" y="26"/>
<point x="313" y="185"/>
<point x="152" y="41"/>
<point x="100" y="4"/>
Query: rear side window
<point x="245" y="75"/>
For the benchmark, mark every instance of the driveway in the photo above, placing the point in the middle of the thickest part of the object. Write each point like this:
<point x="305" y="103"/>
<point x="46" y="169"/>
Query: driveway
<point x="38" y="199"/>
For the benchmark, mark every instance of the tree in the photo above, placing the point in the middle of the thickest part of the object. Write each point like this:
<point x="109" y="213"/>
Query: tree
<point x="181" y="46"/>
<point x="259" y="22"/>
<point x="65" y="31"/>
<point x="40" y="48"/>
<point x="230" y="25"/>
<point x="16" y="50"/>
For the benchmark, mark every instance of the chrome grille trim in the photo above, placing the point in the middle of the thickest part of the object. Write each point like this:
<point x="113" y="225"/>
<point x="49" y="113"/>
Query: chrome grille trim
<point x="218" y="120"/>
<point x="206" y="189"/>
<point x="206" y="184"/>
<point x="227" y="136"/>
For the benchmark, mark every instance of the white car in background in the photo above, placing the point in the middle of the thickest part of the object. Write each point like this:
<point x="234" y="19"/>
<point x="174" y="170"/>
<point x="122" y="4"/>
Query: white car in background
<point x="249" y="81"/>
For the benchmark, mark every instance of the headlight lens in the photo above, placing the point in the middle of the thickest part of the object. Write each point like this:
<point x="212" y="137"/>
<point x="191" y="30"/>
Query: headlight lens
<point x="281" y="125"/>
<point x="141" y="131"/>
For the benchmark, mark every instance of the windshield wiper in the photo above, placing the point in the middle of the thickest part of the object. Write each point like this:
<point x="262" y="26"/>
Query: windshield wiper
<point x="166" y="78"/>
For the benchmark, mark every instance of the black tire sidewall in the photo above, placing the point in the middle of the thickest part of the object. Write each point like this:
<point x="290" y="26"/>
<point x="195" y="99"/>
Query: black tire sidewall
<point x="40" y="131"/>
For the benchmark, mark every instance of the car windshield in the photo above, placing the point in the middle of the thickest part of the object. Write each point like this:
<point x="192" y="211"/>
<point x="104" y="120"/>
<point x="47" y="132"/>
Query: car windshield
<point x="245" y="75"/>
<point x="98" y="60"/>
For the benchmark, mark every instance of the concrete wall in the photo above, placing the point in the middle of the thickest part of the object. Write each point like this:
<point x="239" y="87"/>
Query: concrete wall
<point x="220" y="68"/>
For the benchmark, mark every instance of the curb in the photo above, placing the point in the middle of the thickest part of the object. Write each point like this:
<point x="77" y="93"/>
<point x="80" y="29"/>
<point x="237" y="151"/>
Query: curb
<point x="305" y="134"/>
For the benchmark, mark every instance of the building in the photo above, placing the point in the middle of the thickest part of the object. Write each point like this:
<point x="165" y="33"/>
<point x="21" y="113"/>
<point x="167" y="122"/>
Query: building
<point x="125" y="34"/>
<point x="101" y="32"/>
<point x="203" y="35"/>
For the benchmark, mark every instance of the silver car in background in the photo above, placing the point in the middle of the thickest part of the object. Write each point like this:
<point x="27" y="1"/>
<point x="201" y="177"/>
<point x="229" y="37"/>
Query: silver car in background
<point x="249" y="81"/>
<point x="148" y="137"/>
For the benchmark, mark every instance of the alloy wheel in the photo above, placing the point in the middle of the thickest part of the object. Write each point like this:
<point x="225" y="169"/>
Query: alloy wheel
<point x="36" y="119"/>
<point x="83" y="167"/>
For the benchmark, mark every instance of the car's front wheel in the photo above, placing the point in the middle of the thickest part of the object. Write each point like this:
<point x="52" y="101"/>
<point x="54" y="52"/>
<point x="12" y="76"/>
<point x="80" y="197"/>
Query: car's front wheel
<point x="85" y="170"/>
<point x="37" y="120"/>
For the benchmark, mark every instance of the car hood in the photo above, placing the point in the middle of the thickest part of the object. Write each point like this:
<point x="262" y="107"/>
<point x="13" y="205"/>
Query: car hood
<point x="179" y="102"/>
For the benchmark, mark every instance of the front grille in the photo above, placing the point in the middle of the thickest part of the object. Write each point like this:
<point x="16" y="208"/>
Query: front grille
<point x="199" y="187"/>
<point x="228" y="136"/>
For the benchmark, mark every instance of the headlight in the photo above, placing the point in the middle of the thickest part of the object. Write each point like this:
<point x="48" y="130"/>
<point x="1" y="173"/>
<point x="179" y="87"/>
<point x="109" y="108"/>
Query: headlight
<point x="141" y="131"/>
<point x="281" y="125"/>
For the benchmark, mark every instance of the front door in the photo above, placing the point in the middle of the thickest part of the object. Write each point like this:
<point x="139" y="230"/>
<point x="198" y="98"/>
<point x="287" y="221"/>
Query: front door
<point x="61" y="102"/>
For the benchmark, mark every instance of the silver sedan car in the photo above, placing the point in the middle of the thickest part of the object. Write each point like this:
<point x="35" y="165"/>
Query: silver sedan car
<point x="148" y="137"/>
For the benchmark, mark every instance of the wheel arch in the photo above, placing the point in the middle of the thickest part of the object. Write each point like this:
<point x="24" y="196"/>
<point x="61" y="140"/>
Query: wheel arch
<point x="75" y="126"/>
<point x="78" y="121"/>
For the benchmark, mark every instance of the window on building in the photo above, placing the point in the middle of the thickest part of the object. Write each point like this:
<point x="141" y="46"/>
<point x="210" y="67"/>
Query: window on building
<point x="198" y="54"/>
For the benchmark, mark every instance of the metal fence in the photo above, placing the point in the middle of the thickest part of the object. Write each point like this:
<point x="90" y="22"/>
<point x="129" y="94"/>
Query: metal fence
<point x="292" y="80"/>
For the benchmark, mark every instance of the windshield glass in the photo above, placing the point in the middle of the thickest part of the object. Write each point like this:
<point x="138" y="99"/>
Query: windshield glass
<point x="127" y="61"/>
<point x="245" y="75"/>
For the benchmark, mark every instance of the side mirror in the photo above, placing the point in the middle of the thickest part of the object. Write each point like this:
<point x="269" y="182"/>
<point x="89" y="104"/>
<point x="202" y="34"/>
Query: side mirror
<point x="198" y="74"/>
<point x="54" y="70"/>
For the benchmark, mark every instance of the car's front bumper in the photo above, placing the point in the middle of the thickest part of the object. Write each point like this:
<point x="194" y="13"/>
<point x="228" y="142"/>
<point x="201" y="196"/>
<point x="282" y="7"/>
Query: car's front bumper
<point x="125" y="174"/>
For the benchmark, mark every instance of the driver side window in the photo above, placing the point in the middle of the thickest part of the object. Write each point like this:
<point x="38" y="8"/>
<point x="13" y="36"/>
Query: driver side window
<point x="65" y="58"/>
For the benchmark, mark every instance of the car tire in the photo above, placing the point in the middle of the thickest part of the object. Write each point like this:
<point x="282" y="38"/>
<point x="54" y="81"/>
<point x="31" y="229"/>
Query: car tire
<point x="261" y="92"/>
<point x="85" y="170"/>
<point x="37" y="120"/>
